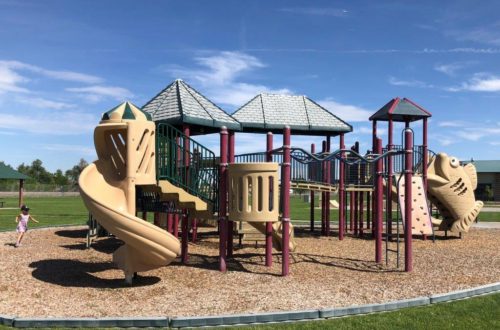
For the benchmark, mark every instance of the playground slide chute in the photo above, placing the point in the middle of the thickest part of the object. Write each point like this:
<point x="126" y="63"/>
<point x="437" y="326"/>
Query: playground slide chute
<point x="146" y="246"/>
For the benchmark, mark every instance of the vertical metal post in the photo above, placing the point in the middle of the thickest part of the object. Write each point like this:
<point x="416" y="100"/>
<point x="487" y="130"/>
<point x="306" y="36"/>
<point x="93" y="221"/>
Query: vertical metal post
<point x="176" y="225"/>
<point x="323" y="194"/>
<point x="223" y="198"/>
<point x="408" y="199"/>
<point x="389" y="178"/>
<point x="342" y="190"/>
<point x="269" y="224"/>
<point x="185" y="220"/>
<point x="351" y="211"/>
<point x="285" y="193"/>
<point x="327" y="194"/>
<point x="21" y="192"/>
<point x="194" y="227"/>
<point x="311" y="193"/>
<point x="368" y="209"/>
<point x="425" y="154"/>
<point x="379" y="193"/>
<point x="170" y="220"/>
<point x="230" y="223"/>
<point x="361" y="212"/>
<point x="373" y="195"/>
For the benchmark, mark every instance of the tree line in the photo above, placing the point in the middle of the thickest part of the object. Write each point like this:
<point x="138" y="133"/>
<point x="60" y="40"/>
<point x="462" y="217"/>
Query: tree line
<point x="38" y="173"/>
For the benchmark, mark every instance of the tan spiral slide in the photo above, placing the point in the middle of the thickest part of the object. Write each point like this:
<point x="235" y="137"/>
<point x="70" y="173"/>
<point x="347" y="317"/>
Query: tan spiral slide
<point x="125" y="145"/>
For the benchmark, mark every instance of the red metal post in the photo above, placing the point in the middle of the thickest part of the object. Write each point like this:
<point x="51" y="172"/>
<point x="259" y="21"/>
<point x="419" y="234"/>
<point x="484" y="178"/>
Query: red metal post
<point x="176" y="225"/>
<point x="361" y="212"/>
<point x="379" y="194"/>
<point x="408" y="199"/>
<point x="351" y="211"/>
<point x="194" y="227"/>
<point x="285" y="193"/>
<point x="341" y="191"/>
<point x="311" y="193"/>
<point x="373" y="195"/>
<point x="327" y="194"/>
<point x="185" y="219"/>
<point x="230" y="224"/>
<point x="156" y="219"/>
<point x="425" y="153"/>
<point x="389" y="177"/>
<point x="144" y="215"/>
<point x="368" y="209"/>
<point x="323" y="194"/>
<point x="170" y="224"/>
<point x="223" y="199"/>
<point x="269" y="224"/>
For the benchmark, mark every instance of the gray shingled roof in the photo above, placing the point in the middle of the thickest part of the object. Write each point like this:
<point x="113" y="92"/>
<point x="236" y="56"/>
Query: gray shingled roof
<point x="179" y="104"/>
<point x="272" y="112"/>
<point x="400" y="110"/>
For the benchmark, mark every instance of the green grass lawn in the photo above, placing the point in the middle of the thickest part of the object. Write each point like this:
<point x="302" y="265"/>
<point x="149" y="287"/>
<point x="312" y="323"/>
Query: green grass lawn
<point x="49" y="211"/>
<point x="55" y="211"/>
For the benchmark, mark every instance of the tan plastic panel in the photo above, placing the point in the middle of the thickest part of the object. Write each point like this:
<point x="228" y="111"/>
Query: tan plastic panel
<point x="421" y="221"/>
<point x="251" y="198"/>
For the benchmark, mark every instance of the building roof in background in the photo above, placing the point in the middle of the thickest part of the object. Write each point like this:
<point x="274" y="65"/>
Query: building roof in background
<point x="7" y="172"/>
<point x="179" y="104"/>
<point x="485" y="166"/>
<point x="401" y="110"/>
<point x="272" y="112"/>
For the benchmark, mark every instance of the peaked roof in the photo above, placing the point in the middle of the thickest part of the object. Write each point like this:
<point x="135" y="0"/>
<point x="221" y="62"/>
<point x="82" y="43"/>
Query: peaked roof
<point x="7" y="172"/>
<point x="400" y="110"/>
<point x="179" y="104"/>
<point x="272" y="112"/>
<point x="124" y="111"/>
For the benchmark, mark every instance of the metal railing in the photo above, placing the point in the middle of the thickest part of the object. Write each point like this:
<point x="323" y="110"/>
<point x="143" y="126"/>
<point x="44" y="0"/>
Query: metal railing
<point x="186" y="164"/>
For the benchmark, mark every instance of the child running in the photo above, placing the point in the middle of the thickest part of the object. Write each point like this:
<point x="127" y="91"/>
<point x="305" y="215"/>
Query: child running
<point x="22" y="223"/>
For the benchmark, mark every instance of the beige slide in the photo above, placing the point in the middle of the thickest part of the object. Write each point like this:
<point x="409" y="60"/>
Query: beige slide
<point x="125" y="145"/>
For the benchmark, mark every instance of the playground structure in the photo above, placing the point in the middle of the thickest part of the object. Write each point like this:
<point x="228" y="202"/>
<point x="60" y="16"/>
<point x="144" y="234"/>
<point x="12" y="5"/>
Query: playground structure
<point x="155" y="167"/>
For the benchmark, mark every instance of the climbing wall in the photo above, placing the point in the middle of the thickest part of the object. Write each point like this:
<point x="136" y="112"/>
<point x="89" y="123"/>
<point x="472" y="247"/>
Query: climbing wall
<point x="421" y="220"/>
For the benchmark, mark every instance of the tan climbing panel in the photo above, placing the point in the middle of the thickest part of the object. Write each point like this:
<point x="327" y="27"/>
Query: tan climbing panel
<point x="420" y="217"/>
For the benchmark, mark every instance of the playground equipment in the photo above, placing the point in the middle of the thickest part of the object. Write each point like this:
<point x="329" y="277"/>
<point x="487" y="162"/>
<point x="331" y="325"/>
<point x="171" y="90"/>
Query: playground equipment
<point x="451" y="189"/>
<point x="145" y="166"/>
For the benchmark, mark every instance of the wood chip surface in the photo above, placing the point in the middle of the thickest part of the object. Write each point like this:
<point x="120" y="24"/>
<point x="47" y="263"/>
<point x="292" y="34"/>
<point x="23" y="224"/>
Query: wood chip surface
<point x="53" y="275"/>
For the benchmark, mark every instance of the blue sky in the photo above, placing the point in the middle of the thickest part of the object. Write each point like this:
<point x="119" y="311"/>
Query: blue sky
<point x="63" y="63"/>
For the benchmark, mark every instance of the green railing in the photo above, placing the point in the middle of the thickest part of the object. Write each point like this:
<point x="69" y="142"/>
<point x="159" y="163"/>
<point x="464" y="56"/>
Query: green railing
<point x="186" y="164"/>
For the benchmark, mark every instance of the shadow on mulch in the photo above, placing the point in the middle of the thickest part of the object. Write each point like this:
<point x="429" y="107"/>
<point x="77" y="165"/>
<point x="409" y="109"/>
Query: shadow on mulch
<point x="72" y="233"/>
<point x="105" y="245"/>
<point x="73" y="273"/>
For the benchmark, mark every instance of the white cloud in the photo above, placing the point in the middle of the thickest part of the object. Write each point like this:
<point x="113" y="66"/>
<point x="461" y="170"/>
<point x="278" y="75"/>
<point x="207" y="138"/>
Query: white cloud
<point x="97" y="93"/>
<point x="480" y="82"/>
<point x="448" y="69"/>
<point x="42" y="103"/>
<point x="346" y="112"/>
<point x="409" y="83"/>
<point x="488" y="34"/>
<point x="10" y="80"/>
<point x="451" y="123"/>
<point x="77" y="149"/>
<point x="54" y="74"/>
<point x="219" y="76"/>
<point x="51" y="124"/>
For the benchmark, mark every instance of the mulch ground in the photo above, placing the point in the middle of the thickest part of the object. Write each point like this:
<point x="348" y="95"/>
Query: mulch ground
<point x="53" y="274"/>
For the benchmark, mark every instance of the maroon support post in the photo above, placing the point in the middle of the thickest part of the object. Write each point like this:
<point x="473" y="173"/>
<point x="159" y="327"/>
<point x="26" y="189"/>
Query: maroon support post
<point x="269" y="224"/>
<point x="368" y="210"/>
<point x="170" y="224"/>
<point x="285" y="196"/>
<point x="223" y="199"/>
<point x="379" y="192"/>
<point x="341" y="191"/>
<point x="351" y="211"/>
<point x="311" y="193"/>
<point x="361" y="212"/>
<point x="184" y="240"/>
<point x="373" y="195"/>
<point x="194" y="227"/>
<point x="389" y="178"/>
<point x="230" y="224"/>
<point x="176" y="225"/>
<point x="327" y="194"/>
<point x="323" y="194"/>
<point x="408" y="199"/>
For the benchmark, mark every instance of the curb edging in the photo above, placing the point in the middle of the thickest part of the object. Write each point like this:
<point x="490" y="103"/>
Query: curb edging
<point x="245" y="319"/>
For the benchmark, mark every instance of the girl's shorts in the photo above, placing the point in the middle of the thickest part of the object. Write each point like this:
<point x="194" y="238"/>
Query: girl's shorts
<point x="21" y="228"/>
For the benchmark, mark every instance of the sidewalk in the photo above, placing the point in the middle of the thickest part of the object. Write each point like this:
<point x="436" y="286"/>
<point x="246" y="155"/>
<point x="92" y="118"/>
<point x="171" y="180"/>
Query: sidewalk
<point x="485" y="224"/>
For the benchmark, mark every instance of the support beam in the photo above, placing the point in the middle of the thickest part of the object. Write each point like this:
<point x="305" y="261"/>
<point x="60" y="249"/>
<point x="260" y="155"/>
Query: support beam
<point x="379" y="192"/>
<point x="408" y="199"/>
<point x="285" y="196"/>
<point x="342" y="190"/>
<point x="230" y="224"/>
<point x="327" y="194"/>
<point x="388" y="207"/>
<point x="311" y="193"/>
<point x="269" y="224"/>
<point x="223" y="199"/>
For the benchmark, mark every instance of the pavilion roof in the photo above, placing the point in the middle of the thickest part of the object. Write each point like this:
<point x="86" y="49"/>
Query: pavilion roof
<point x="6" y="172"/>
<point x="401" y="110"/>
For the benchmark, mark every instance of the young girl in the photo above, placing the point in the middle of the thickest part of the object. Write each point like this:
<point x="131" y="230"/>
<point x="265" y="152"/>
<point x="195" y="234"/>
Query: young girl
<point x="22" y="223"/>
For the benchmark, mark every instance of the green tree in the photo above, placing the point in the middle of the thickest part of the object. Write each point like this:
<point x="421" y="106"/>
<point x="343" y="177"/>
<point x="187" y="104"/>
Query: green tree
<point x="60" y="179"/>
<point x="36" y="172"/>
<point x="74" y="173"/>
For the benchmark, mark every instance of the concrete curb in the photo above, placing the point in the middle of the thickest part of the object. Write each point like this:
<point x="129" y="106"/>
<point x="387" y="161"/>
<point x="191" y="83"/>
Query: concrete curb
<point x="243" y="319"/>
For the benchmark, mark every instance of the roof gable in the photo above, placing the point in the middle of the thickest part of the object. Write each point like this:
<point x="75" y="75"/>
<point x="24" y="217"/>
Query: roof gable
<point x="272" y="112"/>
<point x="400" y="110"/>
<point x="179" y="103"/>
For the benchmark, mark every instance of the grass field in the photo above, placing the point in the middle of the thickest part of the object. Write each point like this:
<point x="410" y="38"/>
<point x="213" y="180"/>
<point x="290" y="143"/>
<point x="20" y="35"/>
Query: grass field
<point x="56" y="211"/>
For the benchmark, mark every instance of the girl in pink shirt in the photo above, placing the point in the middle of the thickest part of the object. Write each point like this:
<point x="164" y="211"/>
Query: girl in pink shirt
<point x="22" y="223"/>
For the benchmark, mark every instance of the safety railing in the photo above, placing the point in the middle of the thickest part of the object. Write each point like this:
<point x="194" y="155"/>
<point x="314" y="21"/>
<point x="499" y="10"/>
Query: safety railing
<point x="186" y="163"/>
